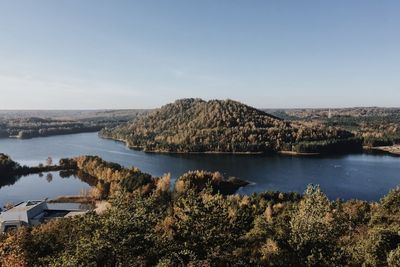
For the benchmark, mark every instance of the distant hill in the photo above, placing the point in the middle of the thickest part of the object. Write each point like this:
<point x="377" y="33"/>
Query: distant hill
<point x="195" y="125"/>
<point x="40" y="123"/>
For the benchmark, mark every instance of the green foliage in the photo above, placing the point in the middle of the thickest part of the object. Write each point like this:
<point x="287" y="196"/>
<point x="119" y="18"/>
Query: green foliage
<point x="206" y="214"/>
<point x="7" y="165"/>
<point x="388" y="212"/>
<point x="375" y="248"/>
<point x="314" y="230"/>
<point x="111" y="177"/>
<point x="327" y="146"/>
<point x="357" y="212"/>
<point x="394" y="258"/>
<point x="135" y="181"/>
<point x="199" y="180"/>
<point x="373" y="125"/>
<point x="68" y="163"/>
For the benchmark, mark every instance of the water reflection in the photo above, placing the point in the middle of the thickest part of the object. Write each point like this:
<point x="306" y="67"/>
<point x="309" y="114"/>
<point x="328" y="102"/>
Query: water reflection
<point x="18" y="188"/>
<point x="10" y="179"/>
<point x="49" y="177"/>
<point x="84" y="177"/>
<point x="363" y="176"/>
<point x="7" y="180"/>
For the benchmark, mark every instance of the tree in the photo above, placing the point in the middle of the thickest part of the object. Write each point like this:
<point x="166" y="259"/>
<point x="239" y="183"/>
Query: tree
<point x="377" y="248"/>
<point x="394" y="258"/>
<point x="49" y="161"/>
<point x="314" y="229"/>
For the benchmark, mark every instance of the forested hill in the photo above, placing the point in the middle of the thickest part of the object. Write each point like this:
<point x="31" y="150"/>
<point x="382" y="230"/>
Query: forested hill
<point x="195" y="125"/>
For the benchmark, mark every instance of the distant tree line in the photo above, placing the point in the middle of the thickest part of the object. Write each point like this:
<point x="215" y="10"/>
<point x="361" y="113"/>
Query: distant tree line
<point x="25" y="128"/>
<point x="375" y="126"/>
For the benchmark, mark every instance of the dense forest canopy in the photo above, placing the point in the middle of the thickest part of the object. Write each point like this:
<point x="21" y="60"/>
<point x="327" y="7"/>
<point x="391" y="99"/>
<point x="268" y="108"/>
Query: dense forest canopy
<point x="195" y="125"/>
<point x="374" y="125"/>
<point x="192" y="228"/>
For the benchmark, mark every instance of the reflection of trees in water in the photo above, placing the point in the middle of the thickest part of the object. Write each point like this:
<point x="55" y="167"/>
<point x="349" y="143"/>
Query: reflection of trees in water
<point x="87" y="206"/>
<point x="7" y="179"/>
<point x="67" y="174"/>
<point x="49" y="177"/>
<point x="100" y="189"/>
<point x="84" y="177"/>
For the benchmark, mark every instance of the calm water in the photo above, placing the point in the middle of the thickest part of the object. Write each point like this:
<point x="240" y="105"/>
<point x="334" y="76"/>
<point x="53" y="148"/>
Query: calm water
<point x="359" y="176"/>
<point x="37" y="187"/>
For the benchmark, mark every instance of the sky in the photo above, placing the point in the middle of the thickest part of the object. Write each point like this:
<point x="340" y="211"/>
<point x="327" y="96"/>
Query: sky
<point x="97" y="54"/>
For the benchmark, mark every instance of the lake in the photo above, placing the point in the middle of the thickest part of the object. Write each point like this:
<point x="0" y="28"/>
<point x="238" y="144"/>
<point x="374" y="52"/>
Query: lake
<point x="362" y="176"/>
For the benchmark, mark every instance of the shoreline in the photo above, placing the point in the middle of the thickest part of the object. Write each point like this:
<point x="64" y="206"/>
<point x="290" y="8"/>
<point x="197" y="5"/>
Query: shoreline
<point x="389" y="150"/>
<point x="281" y="152"/>
<point x="72" y="199"/>
<point x="139" y="148"/>
<point x="293" y="153"/>
<point x="98" y="206"/>
<point x="16" y="137"/>
<point x="205" y="152"/>
<point x="28" y="170"/>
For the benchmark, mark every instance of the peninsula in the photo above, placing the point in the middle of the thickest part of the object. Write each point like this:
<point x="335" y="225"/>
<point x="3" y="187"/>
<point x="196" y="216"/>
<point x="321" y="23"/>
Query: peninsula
<point x="227" y="126"/>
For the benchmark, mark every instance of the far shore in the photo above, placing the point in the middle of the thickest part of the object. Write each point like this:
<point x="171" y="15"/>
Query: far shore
<point x="50" y="135"/>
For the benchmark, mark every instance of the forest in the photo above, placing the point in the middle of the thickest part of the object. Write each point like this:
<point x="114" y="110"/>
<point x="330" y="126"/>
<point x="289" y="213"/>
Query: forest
<point x="195" y="125"/>
<point x="25" y="125"/>
<point x="192" y="223"/>
<point x="375" y="126"/>
<point x="340" y="130"/>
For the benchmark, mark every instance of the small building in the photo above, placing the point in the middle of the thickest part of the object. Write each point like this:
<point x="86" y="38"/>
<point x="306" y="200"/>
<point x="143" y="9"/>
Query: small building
<point x="32" y="212"/>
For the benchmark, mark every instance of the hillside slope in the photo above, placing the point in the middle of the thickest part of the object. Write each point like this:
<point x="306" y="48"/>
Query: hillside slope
<point x="195" y="125"/>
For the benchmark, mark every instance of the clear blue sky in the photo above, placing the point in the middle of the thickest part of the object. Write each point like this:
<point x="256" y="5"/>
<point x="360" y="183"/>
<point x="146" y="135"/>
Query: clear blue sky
<point x="142" y="54"/>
